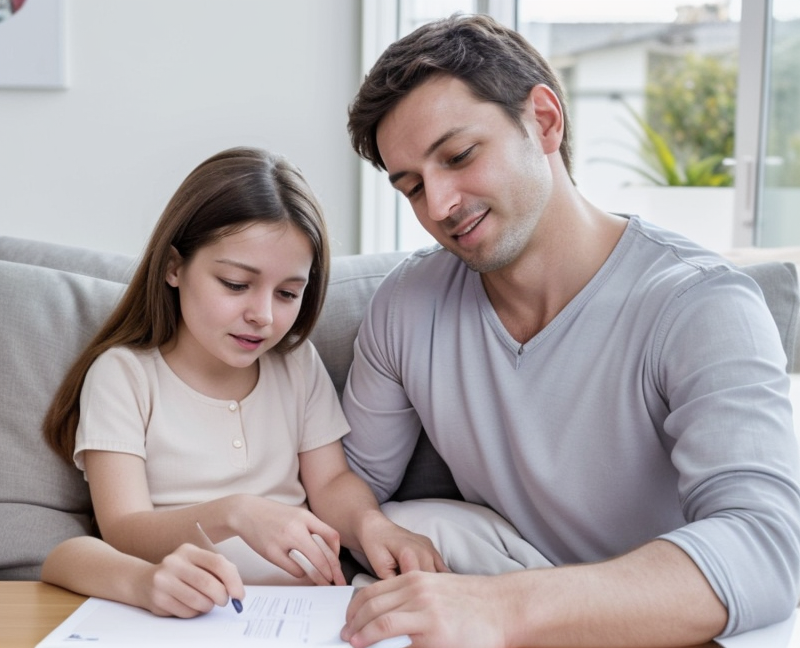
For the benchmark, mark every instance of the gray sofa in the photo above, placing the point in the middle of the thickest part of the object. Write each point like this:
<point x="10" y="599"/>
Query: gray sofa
<point x="53" y="297"/>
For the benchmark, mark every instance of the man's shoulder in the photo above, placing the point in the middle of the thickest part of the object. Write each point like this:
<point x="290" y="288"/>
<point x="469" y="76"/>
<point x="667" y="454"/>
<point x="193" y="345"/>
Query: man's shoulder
<point x="426" y="269"/>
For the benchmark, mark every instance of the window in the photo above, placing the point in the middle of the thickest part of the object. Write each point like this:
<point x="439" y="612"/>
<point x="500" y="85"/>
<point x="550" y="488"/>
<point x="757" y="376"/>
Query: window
<point x="666" y="62"/>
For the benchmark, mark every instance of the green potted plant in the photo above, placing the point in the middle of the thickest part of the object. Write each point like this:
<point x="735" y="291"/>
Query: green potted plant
<point x="681" y="141"/>
<point x="661" y="166"/>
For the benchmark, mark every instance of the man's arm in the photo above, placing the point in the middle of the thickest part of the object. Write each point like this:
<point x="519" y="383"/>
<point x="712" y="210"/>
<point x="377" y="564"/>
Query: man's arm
<point x="633" y="600"/>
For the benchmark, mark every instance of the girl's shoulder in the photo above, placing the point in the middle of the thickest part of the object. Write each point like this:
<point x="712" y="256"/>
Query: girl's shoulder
<point x="125" y="359"/>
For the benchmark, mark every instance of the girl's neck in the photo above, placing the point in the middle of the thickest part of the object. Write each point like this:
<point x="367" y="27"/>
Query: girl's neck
<point x="215" y="380"/>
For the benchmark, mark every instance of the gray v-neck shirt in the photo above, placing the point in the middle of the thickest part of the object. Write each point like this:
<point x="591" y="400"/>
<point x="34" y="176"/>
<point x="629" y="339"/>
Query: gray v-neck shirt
<point x="655" y="404"/>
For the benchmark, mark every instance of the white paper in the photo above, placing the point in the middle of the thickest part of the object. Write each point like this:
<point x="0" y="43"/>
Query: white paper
<point x="289" y="617"/>
<point x="780" y="635"/>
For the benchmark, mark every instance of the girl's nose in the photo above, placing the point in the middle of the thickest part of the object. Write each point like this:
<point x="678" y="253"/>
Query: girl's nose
<point x="259" y="311"/>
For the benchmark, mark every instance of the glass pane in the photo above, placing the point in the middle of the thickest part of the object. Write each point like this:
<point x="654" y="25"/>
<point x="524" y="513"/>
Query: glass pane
<point x="651" y="90"/>
<point x="779" y="213"/>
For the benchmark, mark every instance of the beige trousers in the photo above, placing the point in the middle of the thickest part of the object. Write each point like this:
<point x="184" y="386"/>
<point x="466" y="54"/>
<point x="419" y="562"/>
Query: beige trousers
<point x="472" y="539"/>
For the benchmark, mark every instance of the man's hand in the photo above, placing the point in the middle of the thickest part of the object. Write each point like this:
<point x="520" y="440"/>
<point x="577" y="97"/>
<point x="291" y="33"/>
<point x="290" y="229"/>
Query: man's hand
<point x="435" y="610"/>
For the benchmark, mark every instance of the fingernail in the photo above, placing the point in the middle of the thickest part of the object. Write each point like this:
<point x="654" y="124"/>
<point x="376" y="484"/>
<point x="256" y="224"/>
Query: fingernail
<point x="237" y="605"/>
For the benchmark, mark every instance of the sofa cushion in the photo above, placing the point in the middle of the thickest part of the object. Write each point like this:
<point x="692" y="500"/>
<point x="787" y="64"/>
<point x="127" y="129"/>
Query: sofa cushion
<point x="47" y="317"/>
<point x="93" y="263"/>
<point x="779" y="284"/>
<point x="352" y="282"/>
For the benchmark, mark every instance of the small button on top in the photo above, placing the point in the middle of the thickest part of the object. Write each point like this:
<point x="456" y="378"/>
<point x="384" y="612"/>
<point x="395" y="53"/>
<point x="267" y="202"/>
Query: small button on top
<point x="233" y="406"/>
<point x="237" y="443"/>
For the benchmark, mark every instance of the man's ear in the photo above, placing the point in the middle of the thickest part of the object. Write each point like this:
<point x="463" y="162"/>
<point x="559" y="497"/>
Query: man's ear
<point x="173" y="263"/>
<point x="545" y="109"/>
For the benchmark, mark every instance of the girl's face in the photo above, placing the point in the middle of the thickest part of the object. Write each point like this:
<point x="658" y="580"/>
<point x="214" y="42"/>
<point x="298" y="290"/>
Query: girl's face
<point x="240" y="295"/>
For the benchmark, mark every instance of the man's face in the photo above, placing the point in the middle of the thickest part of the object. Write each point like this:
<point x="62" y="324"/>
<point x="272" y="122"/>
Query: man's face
<point x="477" y="183"/>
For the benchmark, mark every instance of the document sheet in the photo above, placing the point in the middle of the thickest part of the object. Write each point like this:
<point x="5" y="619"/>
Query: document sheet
<point x="289" y="617"/>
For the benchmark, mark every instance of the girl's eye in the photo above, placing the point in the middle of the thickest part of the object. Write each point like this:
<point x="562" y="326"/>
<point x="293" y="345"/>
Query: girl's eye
<point x="288" y="294"/>
<point x="230" y="285"/>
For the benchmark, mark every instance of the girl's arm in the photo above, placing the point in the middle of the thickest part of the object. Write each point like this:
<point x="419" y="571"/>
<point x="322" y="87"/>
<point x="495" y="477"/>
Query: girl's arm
<point x="343" y="500"/>
<point x="128" y="521"/>
<point x="188" y="582"/>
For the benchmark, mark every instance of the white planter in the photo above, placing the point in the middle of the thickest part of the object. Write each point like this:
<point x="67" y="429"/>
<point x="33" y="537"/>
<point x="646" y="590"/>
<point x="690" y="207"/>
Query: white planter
<point x="703" y="214"/>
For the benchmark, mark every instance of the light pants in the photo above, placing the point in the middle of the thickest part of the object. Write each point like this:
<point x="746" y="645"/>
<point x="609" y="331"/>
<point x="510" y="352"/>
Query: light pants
<point x="472" y="539"/>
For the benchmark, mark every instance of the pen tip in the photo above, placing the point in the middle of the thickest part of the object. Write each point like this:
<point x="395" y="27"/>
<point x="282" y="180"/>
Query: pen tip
<point x="237" y="605"/>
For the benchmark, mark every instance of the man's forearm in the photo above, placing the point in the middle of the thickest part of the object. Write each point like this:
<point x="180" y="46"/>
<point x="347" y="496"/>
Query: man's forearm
<point x="653" y="596"/>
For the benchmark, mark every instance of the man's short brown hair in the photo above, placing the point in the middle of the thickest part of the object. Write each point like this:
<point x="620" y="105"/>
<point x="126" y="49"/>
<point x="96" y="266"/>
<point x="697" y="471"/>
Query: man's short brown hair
<point x="495" y="62"/>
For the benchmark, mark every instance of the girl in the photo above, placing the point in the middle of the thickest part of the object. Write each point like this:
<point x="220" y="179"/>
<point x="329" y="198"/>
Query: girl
<point x="201" y="403"/>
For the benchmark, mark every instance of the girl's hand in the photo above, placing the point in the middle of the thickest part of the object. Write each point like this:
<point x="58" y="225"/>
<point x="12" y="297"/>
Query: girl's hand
<point x="188" y="582"/>
<point x="391" y="549"/>
<point x="273" y="530"/>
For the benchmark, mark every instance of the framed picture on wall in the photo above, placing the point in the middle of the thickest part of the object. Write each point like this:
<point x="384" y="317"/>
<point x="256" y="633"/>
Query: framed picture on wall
<point x="33" y="44"/>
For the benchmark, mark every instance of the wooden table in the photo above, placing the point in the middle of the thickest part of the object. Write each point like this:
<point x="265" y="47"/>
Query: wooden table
<point x="30" y="610"/>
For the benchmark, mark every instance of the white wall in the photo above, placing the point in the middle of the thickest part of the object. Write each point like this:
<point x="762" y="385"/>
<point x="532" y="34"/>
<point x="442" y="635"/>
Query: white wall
<point x="155" y="87"/>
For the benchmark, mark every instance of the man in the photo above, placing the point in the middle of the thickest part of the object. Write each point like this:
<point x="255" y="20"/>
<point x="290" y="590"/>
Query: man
<point x="615" y="392"/>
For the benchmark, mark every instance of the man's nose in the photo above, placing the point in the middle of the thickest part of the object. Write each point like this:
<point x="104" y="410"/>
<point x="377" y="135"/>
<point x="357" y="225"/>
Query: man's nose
<point x="442" y="197"/>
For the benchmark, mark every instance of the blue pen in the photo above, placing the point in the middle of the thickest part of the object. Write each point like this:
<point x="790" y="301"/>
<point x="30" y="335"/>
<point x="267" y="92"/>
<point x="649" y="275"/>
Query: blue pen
<point x="207" y="544"/>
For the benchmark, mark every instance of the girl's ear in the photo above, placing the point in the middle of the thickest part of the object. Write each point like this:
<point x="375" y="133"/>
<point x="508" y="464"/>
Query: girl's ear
<point x="173" y="263"/>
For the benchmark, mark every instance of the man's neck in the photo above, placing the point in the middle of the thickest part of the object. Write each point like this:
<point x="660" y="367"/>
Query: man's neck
<point x="566" y="253"/>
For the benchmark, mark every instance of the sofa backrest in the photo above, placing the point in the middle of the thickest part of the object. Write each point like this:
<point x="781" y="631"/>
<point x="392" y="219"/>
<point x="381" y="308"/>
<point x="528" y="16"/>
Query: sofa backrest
<point x="53" y="298"/>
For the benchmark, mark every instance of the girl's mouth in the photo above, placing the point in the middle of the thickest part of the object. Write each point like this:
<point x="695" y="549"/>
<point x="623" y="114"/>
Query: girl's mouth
<point x="248" y="342"/>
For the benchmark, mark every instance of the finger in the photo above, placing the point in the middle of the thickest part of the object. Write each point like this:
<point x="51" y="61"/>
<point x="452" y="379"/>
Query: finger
<point x="308" y="567"/>
<point x="227" y="573"/>
<point x="332" y="558"/>
<point x="375" y="614"/>
<point x="210" y="573"/>
<point x="409" y="560"/>
<point x="366" y="596"/>
<point x="329" y="535"/>
<point x="317" y="560"/>
<point x="184" y="605"/>
<point x="172" y="595"/>
<point x="384" y="564"/>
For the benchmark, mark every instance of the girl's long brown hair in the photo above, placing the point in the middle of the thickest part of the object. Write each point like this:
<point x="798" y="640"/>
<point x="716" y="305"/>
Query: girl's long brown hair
<point x="224" y="194"/>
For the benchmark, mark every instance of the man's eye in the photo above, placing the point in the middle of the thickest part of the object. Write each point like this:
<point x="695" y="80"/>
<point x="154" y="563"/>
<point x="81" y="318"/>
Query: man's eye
<point x="414" y="190"/>
<point x="461" y="156"/>
<point x="230" y="285"/>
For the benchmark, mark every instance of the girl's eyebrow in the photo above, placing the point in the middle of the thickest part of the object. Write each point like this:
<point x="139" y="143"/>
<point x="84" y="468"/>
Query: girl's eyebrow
<point x="239" y="264"/>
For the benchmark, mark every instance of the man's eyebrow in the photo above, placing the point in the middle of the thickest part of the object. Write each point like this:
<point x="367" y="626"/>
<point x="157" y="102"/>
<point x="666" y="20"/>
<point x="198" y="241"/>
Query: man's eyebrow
<point x="394" y="177"/>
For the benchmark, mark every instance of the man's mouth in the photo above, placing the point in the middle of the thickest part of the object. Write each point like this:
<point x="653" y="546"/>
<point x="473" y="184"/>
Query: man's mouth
<point x="471" y="226"/>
